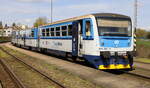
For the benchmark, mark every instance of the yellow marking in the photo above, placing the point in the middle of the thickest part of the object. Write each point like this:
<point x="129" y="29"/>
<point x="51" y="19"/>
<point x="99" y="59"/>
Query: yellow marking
<point x="134" y="40"/>
<point x="112" y="66"/>
<point x="134" y="35"/>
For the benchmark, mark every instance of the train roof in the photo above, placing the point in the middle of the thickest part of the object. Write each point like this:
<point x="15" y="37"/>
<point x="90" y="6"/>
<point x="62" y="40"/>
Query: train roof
<point x="88" y="16"/>
<point x="110" y="15"/>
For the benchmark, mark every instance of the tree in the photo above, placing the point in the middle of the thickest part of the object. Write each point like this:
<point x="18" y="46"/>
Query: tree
<point x="40" y="21"/>
<point x="1" y="25"/>
<point x="14" y="24"/>
<point x="141" y="33"/>
<point x="148" y="35"/>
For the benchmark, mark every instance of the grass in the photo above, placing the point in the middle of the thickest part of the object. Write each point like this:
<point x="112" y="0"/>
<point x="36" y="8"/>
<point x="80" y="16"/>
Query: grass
<point x="67" y="78"/>
<point x="145" y="60"/>
<point x="142" y="42"/>
<point x="30" y="78"/>
<point x="5" y="39"/>
<point x="143" y="49"/>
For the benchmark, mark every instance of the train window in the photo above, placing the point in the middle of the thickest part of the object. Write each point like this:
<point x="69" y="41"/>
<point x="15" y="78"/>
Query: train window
<point x="52" y="32"/>
<point x="43" y="32"/>
<point x="64" y="33"/>
<point x="88" y="28"/>
<point x="47" y="32"/>
<point x="64" y="30"/>
<point x="70" y="30"/>
<point x="32" y="33"/>
<point x="57" y="28"/>
<point x="57" y="31"/>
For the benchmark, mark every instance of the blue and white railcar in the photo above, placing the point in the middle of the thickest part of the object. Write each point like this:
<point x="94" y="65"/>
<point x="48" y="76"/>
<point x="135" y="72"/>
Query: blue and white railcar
<point x="105" y="40"/>
<point x="14" y="37"/>
<point x="31" y="38"/>
<point x="21" y="38"/>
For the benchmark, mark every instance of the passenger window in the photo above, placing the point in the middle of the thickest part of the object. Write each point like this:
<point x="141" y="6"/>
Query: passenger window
<point x="57" y="31"/>
<point x="43" y="32"/>
<point x="47" y="32"/>
<point x="88" y="28"/>
<point x="52" y="32"/>
<point x="64" y="30"/>
<point x="32" y="33"/>
<point x="69" y="30"/>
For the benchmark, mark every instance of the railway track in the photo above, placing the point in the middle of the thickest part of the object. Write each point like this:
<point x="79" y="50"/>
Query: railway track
<point x="1" y="85"/>
<point x="138" y="75"/>
<point x="59" y="85"/>
<point x="15" y="79"/>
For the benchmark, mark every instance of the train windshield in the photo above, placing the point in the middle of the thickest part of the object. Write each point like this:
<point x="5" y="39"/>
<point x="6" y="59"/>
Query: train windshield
<point x="114" y="27"/>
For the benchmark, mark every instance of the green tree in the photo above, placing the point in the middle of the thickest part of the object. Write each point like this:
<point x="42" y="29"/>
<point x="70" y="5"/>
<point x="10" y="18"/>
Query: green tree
<point x="14" y="24"/>
<point x="141" y="33"/>
<point x="148" y="35"/>
<point x="1" y="25"/>
<point x="40" y="21"/>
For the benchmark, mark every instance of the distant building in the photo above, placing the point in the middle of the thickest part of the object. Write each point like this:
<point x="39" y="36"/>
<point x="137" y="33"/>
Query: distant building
<point x="7" y="32"/>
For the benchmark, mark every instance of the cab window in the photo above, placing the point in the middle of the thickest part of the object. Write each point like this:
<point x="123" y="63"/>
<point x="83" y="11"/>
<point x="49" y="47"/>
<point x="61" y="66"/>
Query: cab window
<point x="88" y="28"/>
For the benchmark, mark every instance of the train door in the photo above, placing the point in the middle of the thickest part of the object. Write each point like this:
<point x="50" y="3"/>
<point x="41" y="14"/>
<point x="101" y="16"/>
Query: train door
<point x="24" y="39"/>
<point x="77" y="40"/>
<point x="75" y="37"/>
<point x="38" y="38"/>
<point x="88" y="36"/>
<point x="81" y="42"/>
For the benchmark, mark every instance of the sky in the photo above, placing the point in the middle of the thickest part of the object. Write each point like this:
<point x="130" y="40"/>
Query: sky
<point x="27" y="11"/>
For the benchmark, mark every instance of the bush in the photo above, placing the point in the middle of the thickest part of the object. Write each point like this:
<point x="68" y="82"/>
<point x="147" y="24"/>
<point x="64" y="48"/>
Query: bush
<point x="148" y="35"/>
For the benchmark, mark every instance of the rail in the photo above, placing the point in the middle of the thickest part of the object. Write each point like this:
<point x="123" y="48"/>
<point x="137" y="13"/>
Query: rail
<point x="18" y="83"/>
<point x="41" y="73"/>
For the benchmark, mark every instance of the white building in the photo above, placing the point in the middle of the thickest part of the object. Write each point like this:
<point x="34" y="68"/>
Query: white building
<point x="6" y="32"/>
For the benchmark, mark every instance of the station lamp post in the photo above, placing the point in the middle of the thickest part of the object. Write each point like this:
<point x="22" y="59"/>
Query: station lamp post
<point x="51" y="11"/>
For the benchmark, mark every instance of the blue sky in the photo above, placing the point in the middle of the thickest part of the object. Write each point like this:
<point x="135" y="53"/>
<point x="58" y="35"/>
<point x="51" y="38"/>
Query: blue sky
<point x="26" y="11"/>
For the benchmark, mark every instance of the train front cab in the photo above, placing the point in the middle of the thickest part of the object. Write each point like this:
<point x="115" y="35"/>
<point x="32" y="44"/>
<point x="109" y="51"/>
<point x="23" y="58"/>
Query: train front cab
<point x="104" y="41"/>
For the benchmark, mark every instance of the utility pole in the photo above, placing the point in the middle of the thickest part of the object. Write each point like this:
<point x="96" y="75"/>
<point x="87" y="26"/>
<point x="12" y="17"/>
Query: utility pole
<point x="135" y="14"/>
<point x="51" y="11"/>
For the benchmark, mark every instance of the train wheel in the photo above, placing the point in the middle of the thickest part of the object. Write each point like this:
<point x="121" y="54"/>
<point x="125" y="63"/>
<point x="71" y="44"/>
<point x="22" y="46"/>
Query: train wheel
<point x="74" y="58"/>
<point x="131" y="62"/>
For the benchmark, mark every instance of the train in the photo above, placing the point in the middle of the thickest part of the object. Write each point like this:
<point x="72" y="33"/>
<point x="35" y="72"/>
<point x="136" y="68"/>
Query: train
<point x="105" y="40"/>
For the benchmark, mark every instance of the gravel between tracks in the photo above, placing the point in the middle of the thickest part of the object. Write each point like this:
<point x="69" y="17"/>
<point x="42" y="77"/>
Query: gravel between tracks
<point x="69" y="80"/>
<point x="5" y="79"/>
<point x="142" y="65"/>
<point x="98" y="77"/>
